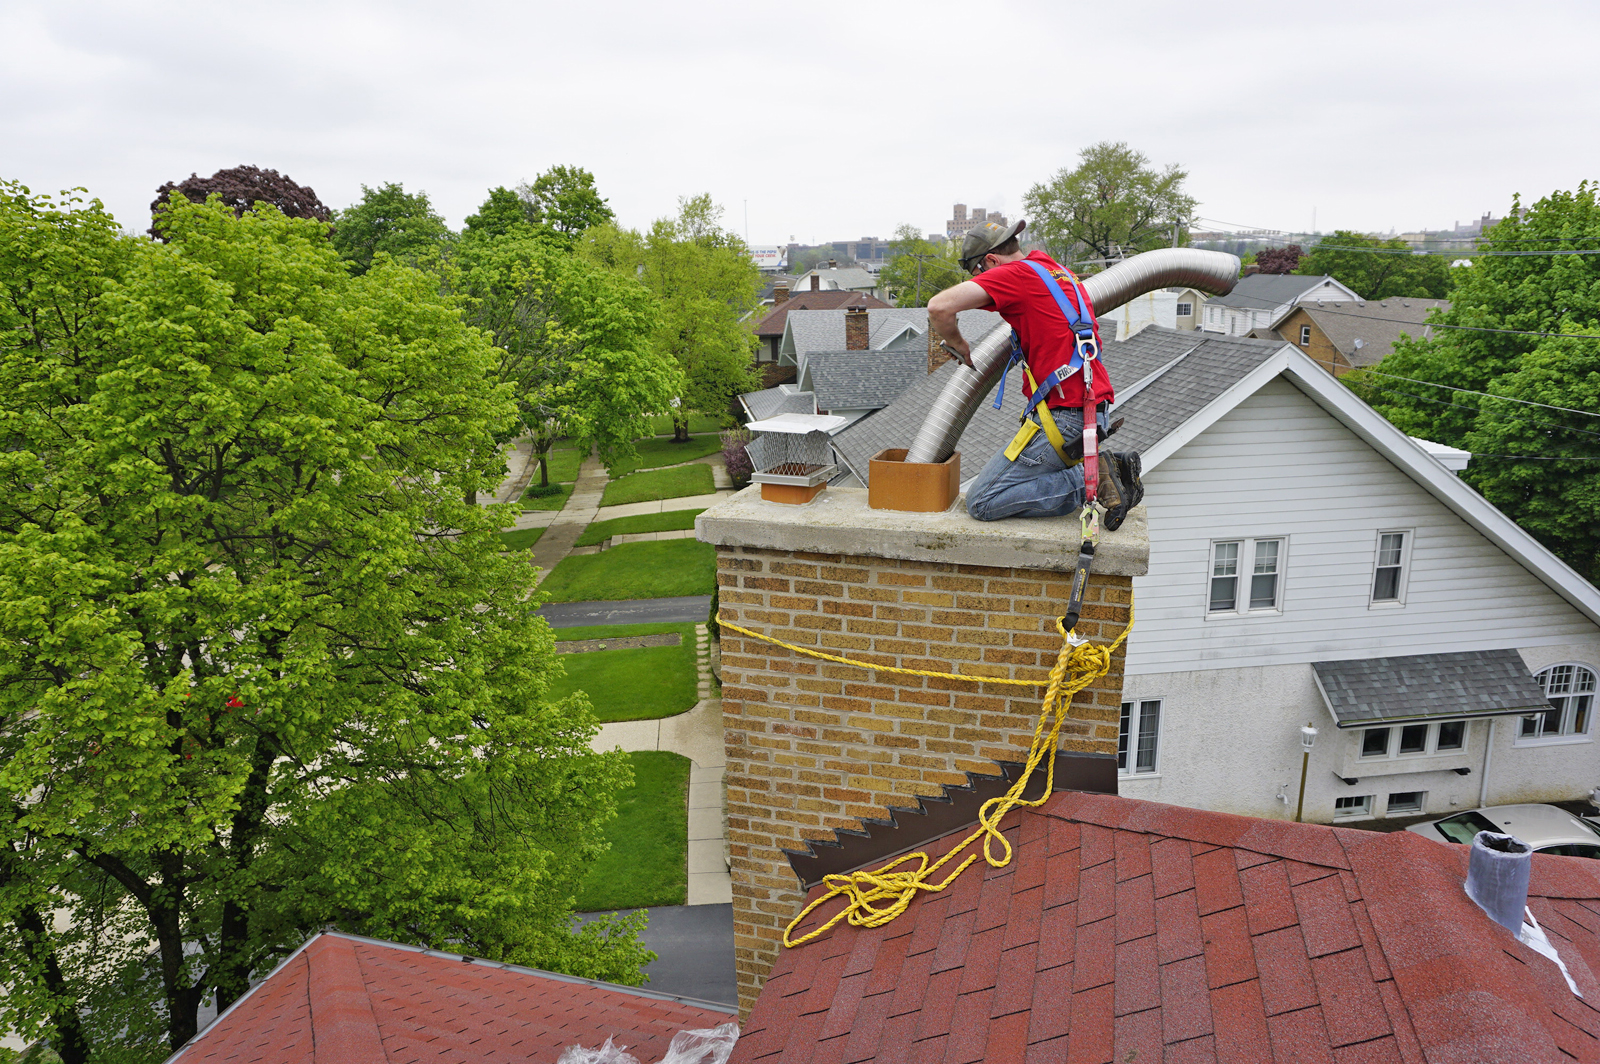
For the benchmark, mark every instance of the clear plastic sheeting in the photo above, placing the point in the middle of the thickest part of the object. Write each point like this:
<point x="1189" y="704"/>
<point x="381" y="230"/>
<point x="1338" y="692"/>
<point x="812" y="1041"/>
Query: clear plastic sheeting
<point x="1497" y="877"/>
<point x="712" y="1045"/>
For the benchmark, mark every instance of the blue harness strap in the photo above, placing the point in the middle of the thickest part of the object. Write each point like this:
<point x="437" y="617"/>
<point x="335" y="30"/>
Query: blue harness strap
<point x="1075" y="321"/>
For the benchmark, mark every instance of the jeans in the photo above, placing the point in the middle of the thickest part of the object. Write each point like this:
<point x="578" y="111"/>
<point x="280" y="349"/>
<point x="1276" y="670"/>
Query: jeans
<point x="1036" y="484"/>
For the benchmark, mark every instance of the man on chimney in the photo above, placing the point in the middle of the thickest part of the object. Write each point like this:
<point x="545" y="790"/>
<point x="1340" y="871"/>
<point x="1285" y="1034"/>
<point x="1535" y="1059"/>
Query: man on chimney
<point x="1036" y="476"/>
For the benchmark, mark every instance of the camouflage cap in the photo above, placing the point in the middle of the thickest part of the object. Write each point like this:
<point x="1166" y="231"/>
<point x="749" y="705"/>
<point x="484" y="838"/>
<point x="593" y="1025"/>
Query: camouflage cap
<point x="982" y="239"/>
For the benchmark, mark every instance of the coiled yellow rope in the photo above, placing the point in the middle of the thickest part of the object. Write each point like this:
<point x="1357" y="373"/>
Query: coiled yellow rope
<point x="878" y="896"/>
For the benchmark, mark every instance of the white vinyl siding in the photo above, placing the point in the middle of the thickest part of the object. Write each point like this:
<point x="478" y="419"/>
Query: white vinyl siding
<point x="1279" y="463"/>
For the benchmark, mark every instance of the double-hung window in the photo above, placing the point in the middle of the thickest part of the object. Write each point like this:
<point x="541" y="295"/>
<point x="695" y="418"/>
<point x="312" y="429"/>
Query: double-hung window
<point x="1305" y="336"/>
<point x="1185" y="310"/>
<point x="1389" y="572"/>
<point x="1570" y="689"/>
<point x="1136" y="743"/>
<point x="1246" y="575"/>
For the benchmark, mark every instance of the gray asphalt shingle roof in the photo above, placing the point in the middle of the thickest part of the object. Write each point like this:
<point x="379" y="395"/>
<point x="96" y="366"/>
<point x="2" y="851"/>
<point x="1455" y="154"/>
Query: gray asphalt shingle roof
<point x="1477" y="683"/>
<point x="863" y="380"/>
<point x="1264" y="291"/>
<point x="770" y="402"/>
<point x="823" y="330"/>
<point x="1377" y="324"/>
<point x="1194" y="368"/>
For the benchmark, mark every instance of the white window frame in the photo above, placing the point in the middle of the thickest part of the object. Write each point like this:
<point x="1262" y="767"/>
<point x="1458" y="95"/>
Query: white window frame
<point x="1420" y="808"/>
<point x="1305" y="336"/>
<point x="1360" y="812"/>
<point x="1399" y="601"/>
<point x="1127" y="741"/>
<point x="1185" y="310"/>
<point x="1567" y="732"/>
<point x="1430" y="744"/>
<point x="1244" y="572"/>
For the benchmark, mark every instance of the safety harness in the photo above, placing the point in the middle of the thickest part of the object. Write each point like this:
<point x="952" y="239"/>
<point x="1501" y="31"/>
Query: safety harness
<point x="1086" y="352"/>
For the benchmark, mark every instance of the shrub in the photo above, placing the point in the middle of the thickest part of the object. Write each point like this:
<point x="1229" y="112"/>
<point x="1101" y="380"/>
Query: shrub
<point x="734" y="457"/>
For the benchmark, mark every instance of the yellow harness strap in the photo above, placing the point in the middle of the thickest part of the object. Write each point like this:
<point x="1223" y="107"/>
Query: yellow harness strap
<point x="1029" y="427"/>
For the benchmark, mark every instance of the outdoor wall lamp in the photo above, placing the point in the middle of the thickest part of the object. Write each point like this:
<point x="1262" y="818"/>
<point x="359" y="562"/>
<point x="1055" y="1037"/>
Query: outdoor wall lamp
<point x="1308" y="739"/>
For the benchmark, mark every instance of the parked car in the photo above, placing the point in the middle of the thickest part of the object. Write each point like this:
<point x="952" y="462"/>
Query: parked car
<point x="1544" y="827"/>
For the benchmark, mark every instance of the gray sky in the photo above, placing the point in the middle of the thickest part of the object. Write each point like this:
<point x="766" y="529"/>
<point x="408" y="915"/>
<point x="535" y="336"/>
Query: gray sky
<point x="831" y="121"/>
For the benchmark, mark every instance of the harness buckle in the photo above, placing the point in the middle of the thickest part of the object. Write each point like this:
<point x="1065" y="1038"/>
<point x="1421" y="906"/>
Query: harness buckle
<point x="1089" y="524"/>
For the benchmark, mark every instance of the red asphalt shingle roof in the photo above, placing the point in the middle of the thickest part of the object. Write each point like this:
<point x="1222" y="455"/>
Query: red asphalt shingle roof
<point x="772" y="323"/>
<point x="349" y="1000"/>
<point x="1130" y="931"/>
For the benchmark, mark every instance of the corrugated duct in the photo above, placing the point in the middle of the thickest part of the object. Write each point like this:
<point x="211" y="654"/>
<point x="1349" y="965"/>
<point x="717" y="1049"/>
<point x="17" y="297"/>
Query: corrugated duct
<point x="1213" y="272"/>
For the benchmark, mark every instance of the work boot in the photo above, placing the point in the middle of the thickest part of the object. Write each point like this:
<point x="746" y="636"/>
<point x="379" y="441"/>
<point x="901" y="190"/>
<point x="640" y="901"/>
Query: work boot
<point x="1111" y="494"/>
<point x="1129" y="468"/>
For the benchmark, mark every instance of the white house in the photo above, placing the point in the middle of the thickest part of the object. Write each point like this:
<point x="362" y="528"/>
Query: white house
<point x="1311" y="564"/>
<point x="838" y="279"/>
<point x="1171" y="308"/>
<point x="1262" y="300"/>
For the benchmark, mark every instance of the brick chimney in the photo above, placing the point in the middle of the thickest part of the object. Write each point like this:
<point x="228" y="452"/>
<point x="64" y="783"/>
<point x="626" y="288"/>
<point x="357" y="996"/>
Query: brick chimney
<point x="833" y="264"/>
<point x="816" y="282"/>
<point x="1251" y="269"/>
<point x="780" y="294"/>
<point x="855" y="329"/>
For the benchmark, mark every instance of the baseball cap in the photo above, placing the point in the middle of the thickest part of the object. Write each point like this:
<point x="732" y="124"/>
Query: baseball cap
<point x="982" y="239"/>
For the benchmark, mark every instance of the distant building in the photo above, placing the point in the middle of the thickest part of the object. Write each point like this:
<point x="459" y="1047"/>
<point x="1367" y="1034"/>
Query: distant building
<point x="1262" y="300"/>
<point x="956" y="228"/>
<point x="1341" y="336"/>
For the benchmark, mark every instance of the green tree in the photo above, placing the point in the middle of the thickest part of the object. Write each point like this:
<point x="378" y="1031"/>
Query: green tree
<point x="706" y="283"/>
<point x="564" y="200"/>
<point x="918" y="268"/>
<point x="1112" y="204"/>
<point x="390" y="219"/>
<point x="261" y="667"/>
<point x="1377" y="269"/>
<point x="576" y="340"/>
<point x="503" y="214"/>
<point x="1536" y="299"/>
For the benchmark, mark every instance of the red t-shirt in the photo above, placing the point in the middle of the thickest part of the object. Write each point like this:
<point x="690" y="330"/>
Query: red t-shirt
<point x="1023" y="299"/>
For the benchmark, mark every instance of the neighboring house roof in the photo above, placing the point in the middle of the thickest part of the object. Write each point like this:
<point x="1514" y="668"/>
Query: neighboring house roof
<point x="862" y="380"/>
<point x="1125" y="930"/>
<point x="1173" y="385"/>
<point x="784" y="399"/>
<point x="1270" y="291"/>
<point x="1364" y="332"/>
<point x="823" y="330"/>
<point x="772" y="323"/>
<point x="846" y="277"/>
<point x="1480" y="683"/>
<point x="344" y="999"/>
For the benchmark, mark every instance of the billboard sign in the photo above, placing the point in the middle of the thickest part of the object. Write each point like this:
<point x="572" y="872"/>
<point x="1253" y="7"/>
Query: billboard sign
<point x="767" y="257"/>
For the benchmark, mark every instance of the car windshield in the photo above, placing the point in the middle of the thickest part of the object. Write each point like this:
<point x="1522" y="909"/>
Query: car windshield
<point x="1572" y="849"/>
<point x="1464" y="827"/>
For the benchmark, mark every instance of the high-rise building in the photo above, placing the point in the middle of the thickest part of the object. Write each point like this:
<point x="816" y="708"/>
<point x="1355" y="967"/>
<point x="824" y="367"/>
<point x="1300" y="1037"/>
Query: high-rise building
<point x="956" y="228"/>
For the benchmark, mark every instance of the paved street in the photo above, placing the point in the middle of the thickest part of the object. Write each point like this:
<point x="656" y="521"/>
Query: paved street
<point x="686" y="609"/>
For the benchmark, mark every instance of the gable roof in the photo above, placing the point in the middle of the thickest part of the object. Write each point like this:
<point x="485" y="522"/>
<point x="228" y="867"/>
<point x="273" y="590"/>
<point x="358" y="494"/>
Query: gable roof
<point x="772" y="323"/>
<point x="1267" y="291"/>
<point x="862" y="380"/>
<point x="784" y="399"/>
<point x="849" y="277"/>
<point x="1126" y="930"/>
<point x="344" y="999"/>
<point x="1377" y="325"/>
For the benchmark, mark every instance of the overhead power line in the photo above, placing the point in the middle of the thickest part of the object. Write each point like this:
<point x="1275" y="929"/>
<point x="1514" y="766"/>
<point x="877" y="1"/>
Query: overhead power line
<point x="1392" y="389"/>
<point x="1486" y="395"/>
<point x="1438" y="325"/>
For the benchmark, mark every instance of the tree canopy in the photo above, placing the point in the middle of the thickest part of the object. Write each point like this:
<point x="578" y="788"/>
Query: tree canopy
<point x="1111" y="204"/>
<point x="1537" y="464"/>
<point x="261" y="667"/>
<point x="503" y="214"/>
<point x="918" y="268"/>
<point x="575" y="339"/>
<point x="706" y="283"/>
<point x="564" y="200"/>
<point x="391" y="220"/>
<point x="241" y="188"/>
<point x="1278" y="260"/>
<point x="1376" y="269"/>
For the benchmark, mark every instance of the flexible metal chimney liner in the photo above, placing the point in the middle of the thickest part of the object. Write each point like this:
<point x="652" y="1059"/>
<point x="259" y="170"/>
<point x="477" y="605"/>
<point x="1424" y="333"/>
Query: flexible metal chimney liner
<point x="1214" y="272"/>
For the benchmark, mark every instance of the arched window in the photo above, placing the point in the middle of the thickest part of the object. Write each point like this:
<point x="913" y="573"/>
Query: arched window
<point x="1570" y="689"/>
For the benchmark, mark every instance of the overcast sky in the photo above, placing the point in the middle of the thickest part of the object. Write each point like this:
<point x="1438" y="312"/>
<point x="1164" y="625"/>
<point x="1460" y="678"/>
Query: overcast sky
<point x="823" y="121"/>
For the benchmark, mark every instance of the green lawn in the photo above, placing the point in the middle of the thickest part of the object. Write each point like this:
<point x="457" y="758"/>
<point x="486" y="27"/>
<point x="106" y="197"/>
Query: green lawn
<point x="635" y="570"/>
<point x="661" y="425"/>
<point x="563" y="463"/>
<point x="639" y="683"/>
<point x="661" y="451"/>
<point x="670" y="521"/>
<point x="648" y="863"/>
<point x="520" y="538"/>
<point x="548" y="502"/>
<point x="659" y="484"/>
<point x="617" y="631"/>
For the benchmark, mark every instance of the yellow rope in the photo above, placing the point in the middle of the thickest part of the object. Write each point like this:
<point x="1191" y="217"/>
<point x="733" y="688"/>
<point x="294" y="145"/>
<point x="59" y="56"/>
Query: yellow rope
<point x="879" y="896"/>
